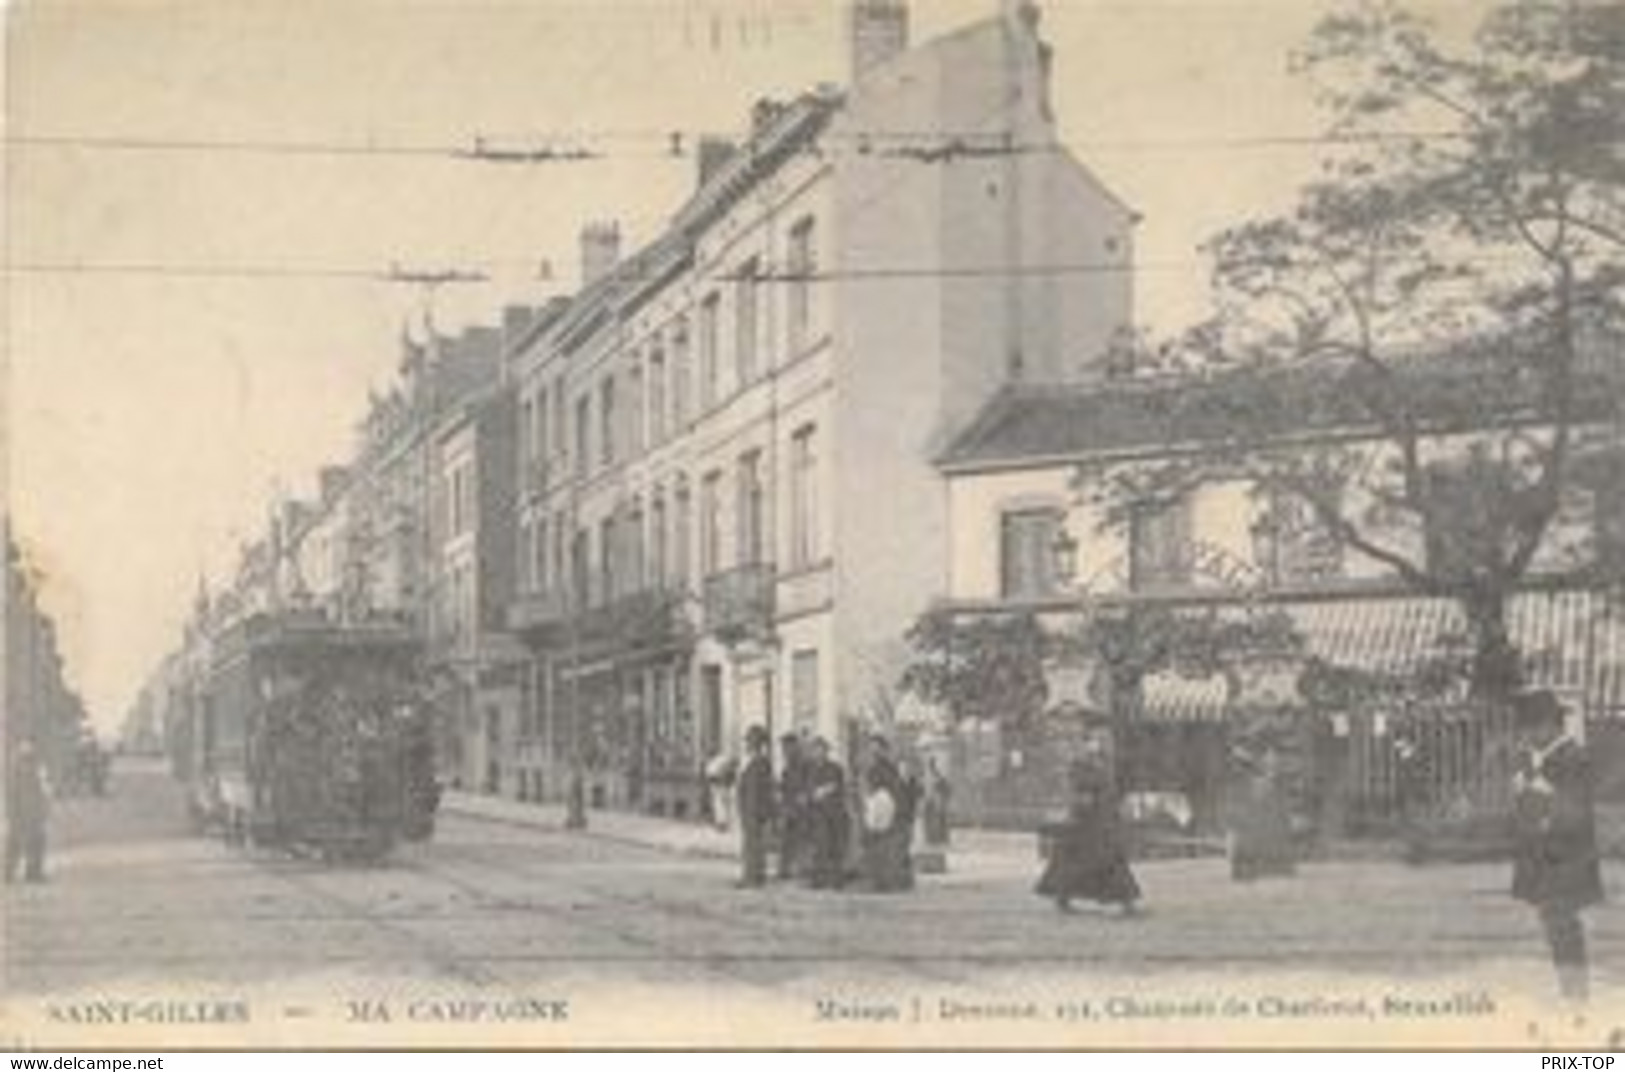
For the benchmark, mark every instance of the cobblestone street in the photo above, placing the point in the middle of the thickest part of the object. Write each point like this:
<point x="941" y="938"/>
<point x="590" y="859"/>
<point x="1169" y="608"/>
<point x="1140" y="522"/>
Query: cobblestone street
<point x="498" y="908"/>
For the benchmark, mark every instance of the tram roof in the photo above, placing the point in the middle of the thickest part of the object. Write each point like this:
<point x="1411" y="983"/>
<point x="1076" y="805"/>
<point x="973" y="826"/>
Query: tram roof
<point x="306" y="630"/>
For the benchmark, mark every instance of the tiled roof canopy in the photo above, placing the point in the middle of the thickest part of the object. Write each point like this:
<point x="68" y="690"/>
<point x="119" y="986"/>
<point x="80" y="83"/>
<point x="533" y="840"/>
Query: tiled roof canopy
<point x="1570" y="640"/>
<point x="1163" y="414"/>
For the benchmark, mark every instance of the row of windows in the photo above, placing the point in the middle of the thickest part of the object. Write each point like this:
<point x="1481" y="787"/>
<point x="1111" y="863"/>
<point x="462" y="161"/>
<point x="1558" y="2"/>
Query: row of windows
<point x="1290" y="546"/>
<point x="1291" y="542"/>
<point x="458" y="610"/>
<point x="648" y="544"/>
<point x="460" y="500"/>
<point x="658" y="377"/>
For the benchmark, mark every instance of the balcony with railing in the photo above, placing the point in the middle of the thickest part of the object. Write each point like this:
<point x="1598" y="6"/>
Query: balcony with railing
<point x="649" y="618"/>
<point x="538" y="612"/>
<point x="739" y="602"/>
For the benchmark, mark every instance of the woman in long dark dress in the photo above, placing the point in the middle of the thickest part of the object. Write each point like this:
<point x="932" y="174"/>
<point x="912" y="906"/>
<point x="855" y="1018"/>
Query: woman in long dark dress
<point x="888" y="817"/>
<point x="1088" y="857"/>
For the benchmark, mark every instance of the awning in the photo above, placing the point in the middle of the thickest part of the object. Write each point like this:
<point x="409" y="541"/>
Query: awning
<point x="1167" y="697"/>
<point x="1570" y="640"/>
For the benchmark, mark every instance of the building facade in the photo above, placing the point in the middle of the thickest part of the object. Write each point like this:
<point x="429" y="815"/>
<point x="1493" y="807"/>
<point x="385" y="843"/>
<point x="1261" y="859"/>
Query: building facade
<point x="470" y="583"/>
<point x="1035" y="532"/>
<point x="389" y="544"/>
<point x="728" y="508"/>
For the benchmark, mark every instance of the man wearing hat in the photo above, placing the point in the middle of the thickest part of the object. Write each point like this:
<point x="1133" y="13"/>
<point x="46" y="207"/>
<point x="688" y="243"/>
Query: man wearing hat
<point x="27" y="804"/>
<point x="755" y="806"/>
<point x="1555" y="863"/>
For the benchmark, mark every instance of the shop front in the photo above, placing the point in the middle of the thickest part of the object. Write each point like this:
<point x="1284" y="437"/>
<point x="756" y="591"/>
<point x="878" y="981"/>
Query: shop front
<point x="612" y="704"/>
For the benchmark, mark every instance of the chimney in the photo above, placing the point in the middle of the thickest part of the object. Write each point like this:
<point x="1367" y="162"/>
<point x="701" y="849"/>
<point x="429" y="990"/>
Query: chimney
<point x="515" y="319"/>
<point x="600" y="250"/>
<point x="763" y="114"/>
<point x="1023" y="13"/>
<point x="713" y="153"/>
<point x="879" y="32"/>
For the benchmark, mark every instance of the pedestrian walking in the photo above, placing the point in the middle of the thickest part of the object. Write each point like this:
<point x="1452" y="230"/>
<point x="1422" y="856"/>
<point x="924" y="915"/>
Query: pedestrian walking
<point x="756" y="806"/>
<point x="1088" y="857"/>
<point x="27" y="810"/>
<point x="793" y="804"/>
<point x="1555" y="864"/>
<point x="828" y="822"/>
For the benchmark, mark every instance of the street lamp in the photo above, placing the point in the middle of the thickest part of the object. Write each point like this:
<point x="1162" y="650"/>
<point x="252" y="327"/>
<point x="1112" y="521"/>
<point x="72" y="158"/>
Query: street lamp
<point x="1107" y="650"/>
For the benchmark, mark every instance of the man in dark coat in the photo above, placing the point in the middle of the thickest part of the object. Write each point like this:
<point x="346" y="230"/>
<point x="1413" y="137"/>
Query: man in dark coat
<point x="755" y="806"/>
<point x="1555" y="866"/>
<point x="27" y="803"/>
<point x="792" y="808"/>
<point x="828" y="823"/>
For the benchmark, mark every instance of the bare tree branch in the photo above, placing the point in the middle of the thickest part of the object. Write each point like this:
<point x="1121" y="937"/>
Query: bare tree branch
<point x="1330" y="514"/>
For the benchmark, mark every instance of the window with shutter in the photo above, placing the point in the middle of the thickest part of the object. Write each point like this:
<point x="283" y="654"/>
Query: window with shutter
<point x="1027" y="553"/>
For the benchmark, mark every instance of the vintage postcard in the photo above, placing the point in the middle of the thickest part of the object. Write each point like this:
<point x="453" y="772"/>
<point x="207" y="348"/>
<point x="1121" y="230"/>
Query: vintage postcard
<point x="814" y="523"/>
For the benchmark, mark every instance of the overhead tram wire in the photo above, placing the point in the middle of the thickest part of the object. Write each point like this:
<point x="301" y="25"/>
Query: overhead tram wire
<point x="586" y="146"/>
<point x="930" y="148"/>
<point x="396" y="275"/>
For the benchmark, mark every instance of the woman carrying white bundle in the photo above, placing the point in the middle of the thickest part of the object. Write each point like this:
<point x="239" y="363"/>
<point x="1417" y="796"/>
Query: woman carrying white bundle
<point x="887" y="815"/>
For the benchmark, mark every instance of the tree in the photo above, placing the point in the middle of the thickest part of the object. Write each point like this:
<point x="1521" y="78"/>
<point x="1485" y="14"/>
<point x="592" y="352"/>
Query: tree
<point x="987" y="668"/>
<point x="1456" y="270"/>
<point x="993" y="667"/>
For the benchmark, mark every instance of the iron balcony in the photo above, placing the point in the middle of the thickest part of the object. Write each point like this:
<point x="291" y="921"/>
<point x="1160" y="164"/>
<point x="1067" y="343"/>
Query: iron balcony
<point x="739" y="602"/>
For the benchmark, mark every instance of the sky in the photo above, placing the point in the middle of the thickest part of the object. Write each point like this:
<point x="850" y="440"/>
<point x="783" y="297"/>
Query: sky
<point x="152" y="413"/>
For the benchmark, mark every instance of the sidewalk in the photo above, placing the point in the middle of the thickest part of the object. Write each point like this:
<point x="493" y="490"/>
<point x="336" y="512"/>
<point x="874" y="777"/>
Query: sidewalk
<point x="973" y="852"/>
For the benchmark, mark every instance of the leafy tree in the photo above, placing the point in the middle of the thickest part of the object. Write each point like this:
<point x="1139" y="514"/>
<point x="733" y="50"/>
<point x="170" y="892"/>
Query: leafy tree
<point x="987" y="667"/>
<point x="1457" y="270"/>
<point x="993" y="667"/>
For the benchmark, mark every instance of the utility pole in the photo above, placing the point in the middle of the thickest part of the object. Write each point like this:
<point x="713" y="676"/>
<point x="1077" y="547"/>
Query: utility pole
<point x="430" y="281"/>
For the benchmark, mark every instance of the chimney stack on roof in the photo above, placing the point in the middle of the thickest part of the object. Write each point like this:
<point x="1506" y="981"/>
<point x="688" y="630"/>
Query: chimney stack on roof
<point x="600" y="251"/>
<point x="515" y="319"/>
<point x="763" y="114"/>
<point x="712" y="154"/>
<point x="879" y="31"/>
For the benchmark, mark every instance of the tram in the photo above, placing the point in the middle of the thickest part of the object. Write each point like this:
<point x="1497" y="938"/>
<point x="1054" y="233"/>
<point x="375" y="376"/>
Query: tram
<point x="313" y="736"/>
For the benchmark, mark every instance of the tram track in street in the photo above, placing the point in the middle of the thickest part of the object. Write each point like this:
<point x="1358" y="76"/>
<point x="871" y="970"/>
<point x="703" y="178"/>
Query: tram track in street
<point x="929" y="967"/>
<point x="440" y="956"/>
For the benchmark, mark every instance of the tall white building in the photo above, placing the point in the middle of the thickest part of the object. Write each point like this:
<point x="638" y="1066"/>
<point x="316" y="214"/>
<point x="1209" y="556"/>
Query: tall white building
<point x="728" y="510"/>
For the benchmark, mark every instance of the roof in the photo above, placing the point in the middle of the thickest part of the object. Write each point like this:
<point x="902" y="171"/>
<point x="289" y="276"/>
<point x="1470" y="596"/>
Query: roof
<point x="1162" y="415"/>
<point x="634" y="278"/>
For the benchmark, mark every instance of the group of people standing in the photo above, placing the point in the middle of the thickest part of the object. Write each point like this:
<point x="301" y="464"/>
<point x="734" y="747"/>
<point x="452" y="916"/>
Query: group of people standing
<point x="807" y="813"/>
